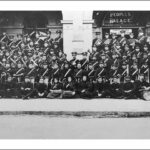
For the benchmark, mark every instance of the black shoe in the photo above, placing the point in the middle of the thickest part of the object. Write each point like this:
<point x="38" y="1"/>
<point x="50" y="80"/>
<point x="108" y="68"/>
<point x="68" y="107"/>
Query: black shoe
<point x="25" y="98"/>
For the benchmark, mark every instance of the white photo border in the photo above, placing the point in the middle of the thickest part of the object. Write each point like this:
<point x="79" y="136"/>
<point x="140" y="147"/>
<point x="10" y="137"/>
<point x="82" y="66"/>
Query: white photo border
<point x="76" y="6"/>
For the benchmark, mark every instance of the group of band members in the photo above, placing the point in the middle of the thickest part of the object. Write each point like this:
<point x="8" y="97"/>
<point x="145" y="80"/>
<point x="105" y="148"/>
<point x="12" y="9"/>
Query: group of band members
<point x="32" y="67"/>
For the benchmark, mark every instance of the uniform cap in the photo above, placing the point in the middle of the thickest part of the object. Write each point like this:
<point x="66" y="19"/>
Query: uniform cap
<point x="127" y="78"/>
<point x="84" y="53"/>
<point x="74" y="53"/>
<point x="106" y="45"/>
<point x="145" y="45"/>
<point x="113" y="34"/>
<point x="55" y="43"/>
<point x="126" y="45"/>
<point x="49" y="31"/>
<point x="140" y="30"/>
<point x="122" y="31"/>
<point x="117" y="44"/>
<point x="137" y="46"/>
<point x="58" y="31"/>
<point x="131" y="33"/>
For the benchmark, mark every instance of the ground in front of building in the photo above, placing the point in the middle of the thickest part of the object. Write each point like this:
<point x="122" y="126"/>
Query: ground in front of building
<point x="58" y="119"/>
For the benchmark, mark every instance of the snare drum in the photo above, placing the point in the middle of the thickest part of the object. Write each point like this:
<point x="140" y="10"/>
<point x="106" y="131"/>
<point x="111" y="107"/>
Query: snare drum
<point x="146" y="95"/>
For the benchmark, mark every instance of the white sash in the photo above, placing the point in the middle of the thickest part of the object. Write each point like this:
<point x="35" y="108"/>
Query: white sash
<point x="19" y="71"/>
<point x="78" y="72"/>
<point x="67" y="73"/>
<point x="31" y="71"/>
<point x="135" y="72"/>
<point x="101" y="72"/>
<point x="90" y="72"/>
<point x="56" y="71"/>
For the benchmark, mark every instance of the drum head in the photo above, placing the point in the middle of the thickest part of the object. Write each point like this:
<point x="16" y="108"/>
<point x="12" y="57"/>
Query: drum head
<point x="146" y="95"/>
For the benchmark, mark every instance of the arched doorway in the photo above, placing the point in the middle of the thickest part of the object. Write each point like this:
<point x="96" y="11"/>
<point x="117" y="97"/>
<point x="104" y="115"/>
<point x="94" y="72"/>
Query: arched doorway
<point x="42" y="20"/>
<point x="11" y="22"/>
<point x="35" y="20"/>
<point x="18" y="22"/>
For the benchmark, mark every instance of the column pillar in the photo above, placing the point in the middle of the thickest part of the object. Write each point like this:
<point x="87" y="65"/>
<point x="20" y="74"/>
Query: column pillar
<point x="77" y="31"/>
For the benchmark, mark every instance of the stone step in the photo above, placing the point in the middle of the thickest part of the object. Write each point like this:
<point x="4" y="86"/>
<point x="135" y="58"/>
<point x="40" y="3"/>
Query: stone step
<point x="79" y="114"/>
<point x="98" y="108"/>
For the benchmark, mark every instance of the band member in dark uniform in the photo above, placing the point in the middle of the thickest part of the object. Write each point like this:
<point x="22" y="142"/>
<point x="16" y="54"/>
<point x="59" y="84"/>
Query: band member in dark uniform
<point x="145" y="71"/>
<point x="114" y="40"/>
<point x="41" y="89"/>
<point x="55" y="88"/>
<point x="26" y="88"/>
<point x="141" y="39"/>
<point x="78" y="71"/>
<point x="122" y="40"/>
<point x="11" y="88"/>
<point x="106" y="40"/>
<point x="101" y="70"/>
<point x="114" y="71"/>
<point x="74" y="60"/>
<point x="115" y="88"/>
<point x="128" y="89"/>
<point x="97" y="42"/>
<point x="103" y="87"/>
<point x="67" y="71"/>
<point x="132" y="41"/>
<point x="84" y="61"/>
<point x="49" y="39"/>
<point x="59" y="39"/>
<point x="68" y="88"/>
<point x="134" y="71"/>
<point x="123" y="71"/>
<point x="55" y="71"/>
<point x="87" y="87"/>
<point x="94" y="55"/>
<point x="19" y="72"/>
<point x="99" y="87"/>
<point x="142" y="87"/>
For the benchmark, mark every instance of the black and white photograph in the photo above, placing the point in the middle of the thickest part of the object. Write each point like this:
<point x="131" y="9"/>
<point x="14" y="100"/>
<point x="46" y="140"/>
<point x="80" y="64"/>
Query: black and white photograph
<point x="77" y="74"/>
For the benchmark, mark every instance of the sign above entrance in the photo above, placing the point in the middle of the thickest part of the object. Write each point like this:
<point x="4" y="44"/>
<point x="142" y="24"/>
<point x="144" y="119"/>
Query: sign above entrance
<point x="120" y="19"/>
<point x="117" y="31"/>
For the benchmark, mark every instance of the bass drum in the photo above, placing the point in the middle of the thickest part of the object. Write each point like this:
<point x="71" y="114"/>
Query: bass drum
<point x="146" y="95"/>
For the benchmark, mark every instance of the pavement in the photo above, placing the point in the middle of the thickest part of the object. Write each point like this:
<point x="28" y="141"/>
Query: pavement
<point x="74" y="105"/>
<point x="98" y="108"/>
<point x="74" y="119"/>
<point x="41" y="127"/>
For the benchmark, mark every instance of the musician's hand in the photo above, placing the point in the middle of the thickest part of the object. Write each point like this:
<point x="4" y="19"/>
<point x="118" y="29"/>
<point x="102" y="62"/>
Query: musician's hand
<point x="88" y="51"/>
<point x="137" y="41"/>
<point x="28" y="89"/>
<point x="94" y="82"/>
<point x="82" y="91"/>
<point x="73" y="93"/>
<point x="99" y="94"/>
<point x="143" y="87"/>
<point x="147" y="88"/>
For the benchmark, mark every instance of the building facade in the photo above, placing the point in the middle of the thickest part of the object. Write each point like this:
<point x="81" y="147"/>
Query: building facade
<point x="79" y="28"/>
